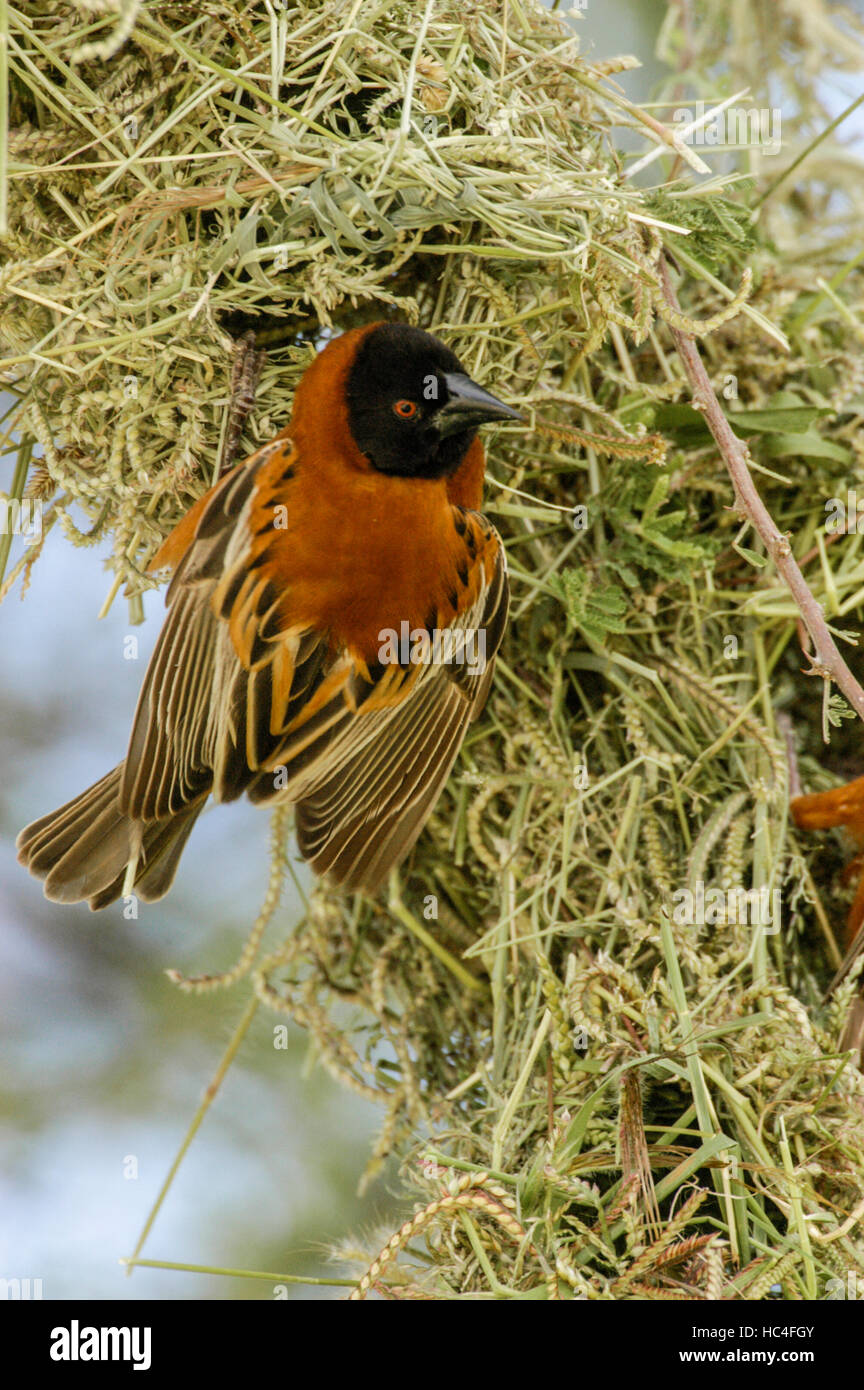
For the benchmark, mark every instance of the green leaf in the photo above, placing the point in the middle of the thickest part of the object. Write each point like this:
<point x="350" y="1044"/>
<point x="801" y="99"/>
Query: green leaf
<point x="595" y="607"/>
<point x="657" y="497"/>
<point x="810" y="445"/>
<point x="782" y="419"/>
<point x="684" y="423"/>
<point x="751" y="556"/>
<point x="685" y="550"/>
<point x="721" y="228"/>
<point x="837" y="710"/>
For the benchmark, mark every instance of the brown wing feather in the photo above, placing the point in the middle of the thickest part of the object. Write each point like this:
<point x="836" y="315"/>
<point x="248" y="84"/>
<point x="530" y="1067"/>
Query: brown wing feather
<point x="366" y="812"/>
<point x="221" y="669"/>
<point x="369" y="813"/>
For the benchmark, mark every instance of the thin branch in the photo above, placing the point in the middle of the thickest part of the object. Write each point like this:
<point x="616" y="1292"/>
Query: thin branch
<point x="826" y="660"/>
<point x="823" y="135"/>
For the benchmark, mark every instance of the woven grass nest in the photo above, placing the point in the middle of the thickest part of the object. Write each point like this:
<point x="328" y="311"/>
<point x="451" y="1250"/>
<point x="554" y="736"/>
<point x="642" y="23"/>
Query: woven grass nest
<point x="589" y="1096"/>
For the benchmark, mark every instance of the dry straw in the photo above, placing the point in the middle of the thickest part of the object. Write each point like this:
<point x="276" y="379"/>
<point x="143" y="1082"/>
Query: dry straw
<point x="589" y="1097"/>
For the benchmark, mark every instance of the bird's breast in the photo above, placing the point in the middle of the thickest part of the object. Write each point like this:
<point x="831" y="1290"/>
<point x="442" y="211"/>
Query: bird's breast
<point x="363" y="554"/>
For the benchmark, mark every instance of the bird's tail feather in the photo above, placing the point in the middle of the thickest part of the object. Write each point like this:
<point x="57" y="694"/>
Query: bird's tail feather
<point x="83" y="849"/>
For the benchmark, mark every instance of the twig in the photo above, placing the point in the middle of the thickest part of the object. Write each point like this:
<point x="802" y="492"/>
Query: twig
<point x="823" y="135"/>
<point x="787" y="730"/>
<point x="209" y="1096"/>
<point x="826" y="661"/>
<point x="245" y="374"/>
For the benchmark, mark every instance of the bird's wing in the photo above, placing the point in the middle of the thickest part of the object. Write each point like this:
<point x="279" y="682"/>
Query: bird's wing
<point x="224" y="679"/>
<point x="367" y="798"/>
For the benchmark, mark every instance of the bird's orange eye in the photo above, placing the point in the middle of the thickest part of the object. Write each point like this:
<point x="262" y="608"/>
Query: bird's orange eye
<point x="406" y="410"/>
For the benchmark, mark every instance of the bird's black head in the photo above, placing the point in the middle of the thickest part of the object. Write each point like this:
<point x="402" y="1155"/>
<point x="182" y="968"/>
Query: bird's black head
<point x="411" y="408"/>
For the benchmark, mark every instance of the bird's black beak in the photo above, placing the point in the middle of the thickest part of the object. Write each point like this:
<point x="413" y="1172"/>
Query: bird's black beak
<point x="467" y="406"/>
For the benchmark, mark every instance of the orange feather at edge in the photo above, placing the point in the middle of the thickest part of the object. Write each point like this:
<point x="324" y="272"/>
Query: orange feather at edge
<point x="842" y="806"/>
